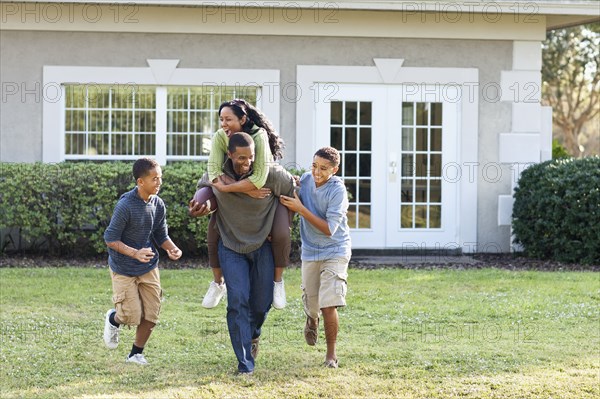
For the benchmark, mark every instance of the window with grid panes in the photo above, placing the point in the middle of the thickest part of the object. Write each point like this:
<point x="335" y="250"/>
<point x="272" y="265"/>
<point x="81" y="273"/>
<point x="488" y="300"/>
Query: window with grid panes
<point x="421" y="197"/>
<point x="192" y="116"/>
<point x="119" y="122"/>
<point x="350" y="128"/>
<point x="107" y="121"/>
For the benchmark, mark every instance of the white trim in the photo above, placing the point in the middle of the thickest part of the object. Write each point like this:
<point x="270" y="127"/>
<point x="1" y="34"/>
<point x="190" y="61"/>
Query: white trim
<point x="161" y="125"/>
<point x="546" y="134"/>
<point x="287" y="21"/>
<point x="519" y="147"/>
<point x="308" y="78"/>
<point x="53" y="147"/>
<point x="505" y="206"/>
<point x="524" y="117"/>
<point x="563" y="7"/>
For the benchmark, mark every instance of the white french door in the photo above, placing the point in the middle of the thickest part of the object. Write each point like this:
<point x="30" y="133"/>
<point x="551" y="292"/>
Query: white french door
<point x="395" y="144"/>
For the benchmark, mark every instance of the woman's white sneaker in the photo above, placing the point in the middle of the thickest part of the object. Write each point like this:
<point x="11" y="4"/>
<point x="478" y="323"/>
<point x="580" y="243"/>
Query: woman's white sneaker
<point x="279" y="300"/>
<point x="213" y="295"/>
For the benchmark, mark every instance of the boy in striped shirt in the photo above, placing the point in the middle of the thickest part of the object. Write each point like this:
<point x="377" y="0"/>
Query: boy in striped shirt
<point x="138" y="226"/>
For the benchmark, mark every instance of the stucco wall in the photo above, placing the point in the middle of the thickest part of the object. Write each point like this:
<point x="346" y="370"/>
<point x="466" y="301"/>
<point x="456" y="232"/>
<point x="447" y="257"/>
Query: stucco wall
<point x="24" y="53"/>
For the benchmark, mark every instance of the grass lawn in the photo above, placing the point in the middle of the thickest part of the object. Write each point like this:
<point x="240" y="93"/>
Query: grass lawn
<point x="484" y="333"/>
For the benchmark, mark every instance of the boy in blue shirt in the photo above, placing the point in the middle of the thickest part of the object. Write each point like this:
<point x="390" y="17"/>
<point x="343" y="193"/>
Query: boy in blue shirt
<point x="137" y="226"/>
<point x="326" y="247"/>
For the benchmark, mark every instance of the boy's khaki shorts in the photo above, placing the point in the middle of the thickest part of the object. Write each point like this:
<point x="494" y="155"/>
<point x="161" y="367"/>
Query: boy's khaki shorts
<point x="137" y="297"/>
<point x="324" y="285"/>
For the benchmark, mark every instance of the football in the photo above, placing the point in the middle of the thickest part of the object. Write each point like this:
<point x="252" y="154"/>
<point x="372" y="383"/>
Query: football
<point x="205" y="194"/>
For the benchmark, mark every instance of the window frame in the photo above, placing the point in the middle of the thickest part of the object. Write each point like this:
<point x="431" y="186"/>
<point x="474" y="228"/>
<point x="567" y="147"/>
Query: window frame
<point x="159" y="73"/>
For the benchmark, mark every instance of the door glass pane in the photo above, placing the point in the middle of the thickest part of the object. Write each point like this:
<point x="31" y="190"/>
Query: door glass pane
<point x="336" y="112"/>
<point x="407" y="139"/>
<point x="365" y="113"/>
<point x="351" y="138"/>
<point x="336" y="137"/>
<point x="350" y="165"/>
<point x="421" y="187"/>
<point x="435" y="191"/>
<point x="407" y="190"/>
<point x="365" y="139"/>
<point x="420" y="216"/>
<point x="364" y="165"/>
<point x="408" y="167"/>
<point x="407" y="114"/>
<point x="420" y="190"/>
<point x="421" y="165"/>
<point x="351" y="113"/>
<point x="364" y="216"/>
<point x="435" y="216"/>
<point x="435" y="165"/>
<point x="436" y="139"/>
<point x="350" y="133"/>
<point x="406" y="216"/>
<point x="351" y="189"/>
<point x="364" y="191"/>
<point x="436" y="114"/>
<point x="421" y="139"/>
<point x="422" y="114"/>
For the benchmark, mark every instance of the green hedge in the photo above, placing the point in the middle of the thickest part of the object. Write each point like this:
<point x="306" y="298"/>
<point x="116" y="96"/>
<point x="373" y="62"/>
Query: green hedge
<point x="65" y="208"/>
<point x="556" y="214"/>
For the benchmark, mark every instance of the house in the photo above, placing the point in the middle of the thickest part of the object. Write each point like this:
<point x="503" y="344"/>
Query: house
<point x="434" y="105"/>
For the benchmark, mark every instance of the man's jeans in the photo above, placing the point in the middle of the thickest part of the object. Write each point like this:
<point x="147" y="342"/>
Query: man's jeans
<point x="249" y="280"/>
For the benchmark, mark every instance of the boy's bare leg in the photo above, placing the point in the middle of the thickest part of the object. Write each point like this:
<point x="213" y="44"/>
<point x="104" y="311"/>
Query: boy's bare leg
<point x="331" y="322"/>
<point x="278" y="274"/>
<point x="143" y="332"/>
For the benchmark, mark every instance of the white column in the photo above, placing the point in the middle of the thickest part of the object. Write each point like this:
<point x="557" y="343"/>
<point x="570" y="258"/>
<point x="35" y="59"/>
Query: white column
<point x="528" y="141"/>
<point x="161" y="125"/>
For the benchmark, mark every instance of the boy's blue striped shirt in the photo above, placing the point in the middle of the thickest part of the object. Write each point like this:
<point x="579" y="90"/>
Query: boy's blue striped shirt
<point x="138" y="224"/>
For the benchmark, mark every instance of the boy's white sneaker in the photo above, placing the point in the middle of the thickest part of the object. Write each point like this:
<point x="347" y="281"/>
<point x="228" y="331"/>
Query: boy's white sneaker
<point x="279" y="300"/>
<point x="138" y="358"/>
<point x="111" y="333"/>
<point x="213" y="295"/>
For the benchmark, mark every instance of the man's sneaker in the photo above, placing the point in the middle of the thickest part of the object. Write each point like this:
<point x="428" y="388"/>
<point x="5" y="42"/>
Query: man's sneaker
<point x="279" y="300"/>
<point x="138" y="358"/>
<point x="111" y="333"/>
<point x="213" y="295"/>
<point x="254" y="349"/>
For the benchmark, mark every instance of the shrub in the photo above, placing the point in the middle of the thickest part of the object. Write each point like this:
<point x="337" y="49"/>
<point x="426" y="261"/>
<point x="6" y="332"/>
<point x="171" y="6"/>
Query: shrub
<point x="556" y="214"/>
<point x="65" y="208"/>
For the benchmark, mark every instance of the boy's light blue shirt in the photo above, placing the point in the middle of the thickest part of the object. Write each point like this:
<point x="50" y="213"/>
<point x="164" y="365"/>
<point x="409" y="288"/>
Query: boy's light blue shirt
<point x="329" y="202"/>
